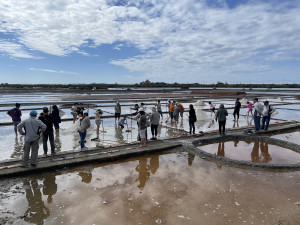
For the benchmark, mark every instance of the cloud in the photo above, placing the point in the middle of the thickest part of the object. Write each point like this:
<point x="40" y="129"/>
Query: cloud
<point x="188" y="37"/>
<point x="14" y="50"/>
<point x="53" y="71"/>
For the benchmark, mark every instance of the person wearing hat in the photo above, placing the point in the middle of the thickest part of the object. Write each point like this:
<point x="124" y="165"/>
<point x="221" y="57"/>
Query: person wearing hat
<point x="268" y="110"/>
<point x="32" y="129"/>
<point x="48" y="133"/>
<point x="258" y="111"/>
<point x="15" y="115"/>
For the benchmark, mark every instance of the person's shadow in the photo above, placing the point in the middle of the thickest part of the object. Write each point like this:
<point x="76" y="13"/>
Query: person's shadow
<point x="36" y="212"/>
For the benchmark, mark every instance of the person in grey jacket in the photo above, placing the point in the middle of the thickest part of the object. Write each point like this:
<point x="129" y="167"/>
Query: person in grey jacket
<point x="117" y="111"/>
<point x="154" y="119"/>
<point x="85" y="123"/>
<point x="32" y="129"/>
<point x="221" y="117"/>
<point x="176" y="114"/>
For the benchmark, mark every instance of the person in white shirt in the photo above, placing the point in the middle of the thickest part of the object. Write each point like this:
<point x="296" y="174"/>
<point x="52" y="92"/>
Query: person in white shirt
<point x="268" y="110"/>
<point x="258" y="111"/>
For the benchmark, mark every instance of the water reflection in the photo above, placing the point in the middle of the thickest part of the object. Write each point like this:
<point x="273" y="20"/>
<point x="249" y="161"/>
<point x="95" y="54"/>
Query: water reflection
<point x="57" y="142"/>
<point x="86" y="176"/>
<point x="18" y="147"/>
<point x="36" y="211"/>
<point x="49" y="186"/>
<point x="144" y="169"/>
<point x="190" y="158"/>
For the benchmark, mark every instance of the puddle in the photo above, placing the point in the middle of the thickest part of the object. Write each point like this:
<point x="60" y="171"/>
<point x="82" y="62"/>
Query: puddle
<point x="169" y="188"/>
<point x="254" y="151"/>
<point x="289" y="136"/>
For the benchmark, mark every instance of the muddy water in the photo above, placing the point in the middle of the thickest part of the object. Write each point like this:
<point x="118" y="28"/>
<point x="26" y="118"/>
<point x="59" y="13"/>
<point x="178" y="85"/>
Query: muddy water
<point x="258" y="151"/>
<point x="173" y="188"/>
<point x="289" y="136"/>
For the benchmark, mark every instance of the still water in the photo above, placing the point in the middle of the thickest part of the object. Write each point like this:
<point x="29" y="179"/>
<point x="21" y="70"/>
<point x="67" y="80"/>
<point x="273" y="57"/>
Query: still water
<point x="170" y="188"/>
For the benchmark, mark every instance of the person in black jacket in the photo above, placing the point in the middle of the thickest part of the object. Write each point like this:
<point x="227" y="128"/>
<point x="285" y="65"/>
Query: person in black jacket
<point x="192" y="119"/>
<point x="237" y="107"/>
<point x="56" y="118"/>
<point x="48" y="133"/>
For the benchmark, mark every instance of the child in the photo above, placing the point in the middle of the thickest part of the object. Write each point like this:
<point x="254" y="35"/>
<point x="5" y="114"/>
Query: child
<point x="212" y="107"/>
<point x="250" y="108"/>
<point x="122" y="122"/>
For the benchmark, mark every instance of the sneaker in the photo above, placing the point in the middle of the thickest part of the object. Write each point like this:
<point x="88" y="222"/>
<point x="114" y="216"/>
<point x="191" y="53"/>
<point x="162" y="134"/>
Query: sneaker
<point x="53" y="153"/>
<point x="84" y="148"/>
<point x="45" y="154"/>
<point x="23" y="166"/>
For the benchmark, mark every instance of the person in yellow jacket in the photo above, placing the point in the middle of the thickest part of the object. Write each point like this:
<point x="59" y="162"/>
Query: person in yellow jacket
<point x="172" y="107"/>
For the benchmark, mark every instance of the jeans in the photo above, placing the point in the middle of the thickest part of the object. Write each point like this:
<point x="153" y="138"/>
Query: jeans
<point x="82" y="138"/>
<point x="222" y="125"/>
<point x="265" y="120"/>
<point x="34" y="145"/>
<point x="192" y="125"/>
<point x="154" y="130"/>
<point x="257" y="122"/>
<point x="48" y="134"/>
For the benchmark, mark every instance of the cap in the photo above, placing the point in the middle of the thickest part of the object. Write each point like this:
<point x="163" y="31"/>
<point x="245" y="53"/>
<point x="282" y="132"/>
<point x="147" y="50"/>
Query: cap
<point x="33" y="113"/>
<point x="266" y="102"/>
<point x="255" y="99"/>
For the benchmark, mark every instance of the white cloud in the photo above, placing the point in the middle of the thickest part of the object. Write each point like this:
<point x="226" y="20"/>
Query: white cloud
<point x="53" y="71"/>
<point x="14" y="50"/>
<point x="174" y="37"/>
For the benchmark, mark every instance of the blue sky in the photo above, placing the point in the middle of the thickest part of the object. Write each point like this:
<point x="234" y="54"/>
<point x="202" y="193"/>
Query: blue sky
<point x="108" y="41"/>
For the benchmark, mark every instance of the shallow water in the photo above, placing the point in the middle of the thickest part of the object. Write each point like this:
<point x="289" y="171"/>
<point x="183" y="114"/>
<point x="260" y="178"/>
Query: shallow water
<point x="254" y="151"/>
<point x="174" y="188"/>
<point x="293" y="137"/>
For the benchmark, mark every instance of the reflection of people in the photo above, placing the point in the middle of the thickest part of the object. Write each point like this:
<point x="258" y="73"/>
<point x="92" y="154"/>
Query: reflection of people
<point x="190" y="158"/>
<point x="235" y="124"/>
<point x="74" y="112"/>
<point x="143" y="170"/>
<point x="37" y="211"/>
<point x="236" y="141"/>
<point x="255" y="152"/>
<point x="221" y="149"/>
<point x="86" y="176"/>
<point x="18" y="148"/>
<point x="98" y="114"/>
<point x="154" y="163"/>
<point x="265" y="156"/>
<point x="50" y="186"/>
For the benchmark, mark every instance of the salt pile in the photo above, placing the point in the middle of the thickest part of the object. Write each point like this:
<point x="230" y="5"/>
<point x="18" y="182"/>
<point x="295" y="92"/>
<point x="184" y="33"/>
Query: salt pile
<point x="202" y="115"/>
<point x="199" y="103"/>
<point x="244" y="101"/>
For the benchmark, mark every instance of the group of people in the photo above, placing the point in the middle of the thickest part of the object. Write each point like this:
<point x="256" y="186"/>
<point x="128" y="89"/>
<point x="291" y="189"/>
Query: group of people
<point x="32" y="128"/>
<point x="261" y="115"/>
<point x="34" y="125"/>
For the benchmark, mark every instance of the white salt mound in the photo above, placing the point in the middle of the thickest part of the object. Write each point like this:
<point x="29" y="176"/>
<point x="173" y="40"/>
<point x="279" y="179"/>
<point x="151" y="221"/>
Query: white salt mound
<point x="199" y="103"/>
<point x="202" y="115"/>
<point x="74" y="127"/>
<point x="244" y="101"/>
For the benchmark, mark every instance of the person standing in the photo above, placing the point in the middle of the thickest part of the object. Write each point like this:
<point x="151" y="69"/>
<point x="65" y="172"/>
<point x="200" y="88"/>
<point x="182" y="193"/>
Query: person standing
<point x="56" y="118"/>
<point x="48" y="133"/>
<point x="32" y="128"/>
<point x="85" y="123"/>
<point x="268" y="110"/>
<point x="258" y="111"/>
<point x="74" y="111"/>
<point x="117" y="111"/>
<point x="98" y="115"/>
<point x="172" y="108"/>
<point x="142" y="128"/>
<point x="15" y="115"/>
<point x="237" y="107"/>
<point x="221" y="117"/>
<point x="192" y="119"/>
<point x="158" y="105"/>
<point x="250" y="108"/>
<point x="176" y="114"/>
<point x="181" y="110"/>
<point x="154" y="120"/>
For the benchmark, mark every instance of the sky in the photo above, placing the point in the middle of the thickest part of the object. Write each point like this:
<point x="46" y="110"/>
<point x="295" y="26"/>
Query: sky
<point x="111" y="41"/>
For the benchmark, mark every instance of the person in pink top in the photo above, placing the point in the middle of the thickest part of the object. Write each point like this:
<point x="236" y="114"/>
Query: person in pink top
<point x="250" y="107"/>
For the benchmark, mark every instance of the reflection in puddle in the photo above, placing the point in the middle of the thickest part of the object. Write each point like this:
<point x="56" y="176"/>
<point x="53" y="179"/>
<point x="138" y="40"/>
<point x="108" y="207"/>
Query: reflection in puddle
<point x="162" y="188"/>
<point x="254" y="151"/>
